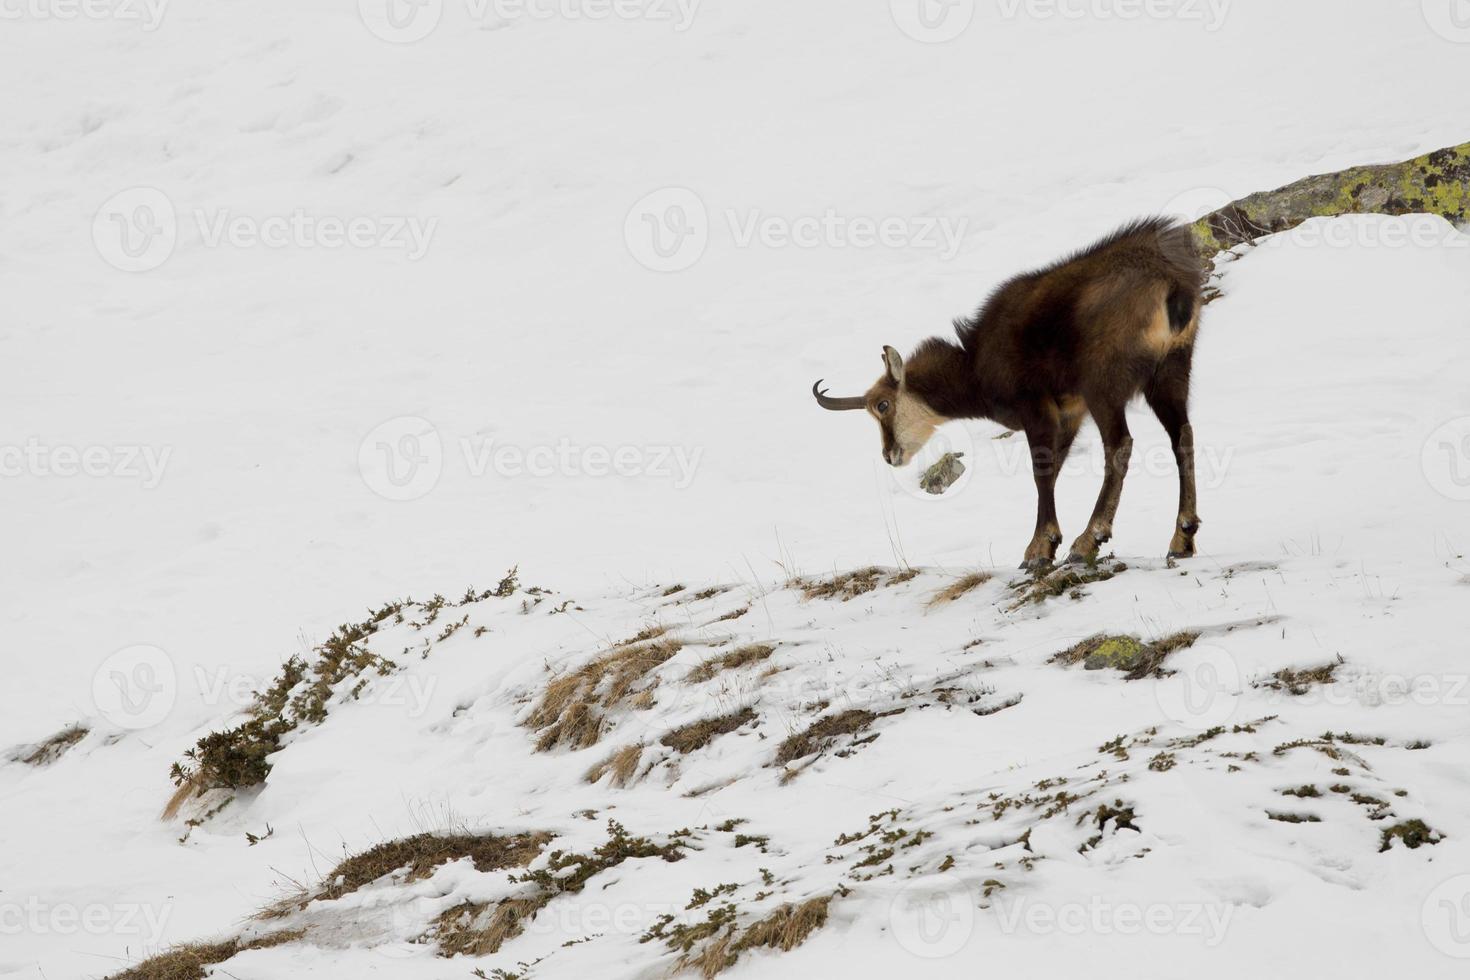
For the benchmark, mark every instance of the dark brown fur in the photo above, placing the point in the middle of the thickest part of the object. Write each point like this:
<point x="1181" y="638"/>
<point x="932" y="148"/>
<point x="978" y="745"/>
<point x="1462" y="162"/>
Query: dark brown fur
<point x="1082" y="336"/>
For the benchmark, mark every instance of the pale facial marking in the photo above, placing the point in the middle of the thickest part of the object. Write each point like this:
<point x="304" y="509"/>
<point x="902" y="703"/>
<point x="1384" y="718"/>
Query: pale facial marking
<point x="912" y="424"/>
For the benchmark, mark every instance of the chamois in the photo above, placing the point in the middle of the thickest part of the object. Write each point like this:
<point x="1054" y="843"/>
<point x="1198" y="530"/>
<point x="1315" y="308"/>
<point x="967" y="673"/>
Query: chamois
<point x="1080" y="337"/>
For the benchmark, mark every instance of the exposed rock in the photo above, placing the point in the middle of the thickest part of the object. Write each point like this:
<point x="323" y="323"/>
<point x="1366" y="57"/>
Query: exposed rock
<point x="1435" y="183"/>
<point x="943" y="474"/>
<point x="1117" y="652"/>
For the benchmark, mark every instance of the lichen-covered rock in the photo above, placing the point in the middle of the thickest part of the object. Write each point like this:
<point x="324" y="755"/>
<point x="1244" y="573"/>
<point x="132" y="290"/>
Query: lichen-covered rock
<point x="1134" y="658"/>
<point x="1435" y="183"/>
<point x="943" y="474"/>
<point x="1117" y="652"/>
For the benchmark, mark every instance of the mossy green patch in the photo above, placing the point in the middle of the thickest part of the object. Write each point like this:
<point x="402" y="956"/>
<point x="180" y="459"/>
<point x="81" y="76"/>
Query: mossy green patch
<point x="1116" y="652"/>
<point x="1128" y="654"/>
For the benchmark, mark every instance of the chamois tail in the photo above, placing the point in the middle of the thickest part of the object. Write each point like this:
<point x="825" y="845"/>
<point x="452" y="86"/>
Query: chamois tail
<point x="1176" y="243"/>
<point x="1183" y="304"/>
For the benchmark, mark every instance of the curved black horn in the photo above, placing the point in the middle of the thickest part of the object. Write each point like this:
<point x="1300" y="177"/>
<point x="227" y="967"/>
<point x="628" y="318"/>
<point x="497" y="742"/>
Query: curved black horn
<point x="836" y="404"/>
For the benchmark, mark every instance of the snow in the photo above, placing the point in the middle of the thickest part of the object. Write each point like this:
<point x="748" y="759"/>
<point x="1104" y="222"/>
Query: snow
<point x="238" y="398"/>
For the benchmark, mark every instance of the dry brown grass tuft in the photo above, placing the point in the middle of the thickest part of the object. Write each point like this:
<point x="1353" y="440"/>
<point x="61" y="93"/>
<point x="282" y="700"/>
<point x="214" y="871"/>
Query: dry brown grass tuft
<point x="850" y="585"/>
<point x="418" y="856"/>
<point x="959" y="588"/>
<point x="181" y="962"/>
<point x="822" y="733"/>
<point x="697" y="735"/>
<point x="733" y="614"/>
<point x="579" y="727"/>
<point x="55" y="747"/>
<point x="1299" y="682"/>
<point x="571" y="708"/>
<point x="744" y="656"/>
<point x="623" y="764"/>
<point x="711" y="947"/>
<point x="787" y="927"/>
<point x="1174" y="642"/>
<point x="421" y="854"/>
<point x="189" y="962"/>
<point x="651" y="632"/>
<point x="845" y="586"/>
<point x="189" y="788"/>
<point x="712" y="958"/>
<point x="625" y="668"/>
<point x="478" y="929"/>
<point x="561" y="692"/>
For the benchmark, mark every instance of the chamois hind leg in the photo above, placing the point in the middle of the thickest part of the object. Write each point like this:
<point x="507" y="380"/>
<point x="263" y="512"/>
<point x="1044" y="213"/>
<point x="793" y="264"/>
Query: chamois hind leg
<point x="1050" y="437"/>
<point x="1168" y="395"/>
<point x="1117" y="448"/>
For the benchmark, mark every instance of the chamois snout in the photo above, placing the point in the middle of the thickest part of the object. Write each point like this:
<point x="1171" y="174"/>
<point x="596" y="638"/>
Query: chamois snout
<point x="907" y="428"/>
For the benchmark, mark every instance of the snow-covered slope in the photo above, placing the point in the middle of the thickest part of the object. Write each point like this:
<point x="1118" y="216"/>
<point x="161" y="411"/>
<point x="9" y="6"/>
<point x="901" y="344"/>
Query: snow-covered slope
<point x="257" y="413"/>
<point x="925" y="768"/>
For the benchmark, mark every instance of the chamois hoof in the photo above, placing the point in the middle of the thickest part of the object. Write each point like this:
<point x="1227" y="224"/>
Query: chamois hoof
<point x="1036" y="566"/>
<point x="1077" y="558"/>
<point x="1183" y="544"/>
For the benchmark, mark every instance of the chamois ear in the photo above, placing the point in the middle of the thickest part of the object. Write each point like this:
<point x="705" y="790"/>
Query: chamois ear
<point x="894" y="363"/>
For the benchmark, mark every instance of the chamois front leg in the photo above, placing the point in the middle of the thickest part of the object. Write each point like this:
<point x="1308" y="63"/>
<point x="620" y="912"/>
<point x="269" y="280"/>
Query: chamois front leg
<point x="1117" y="448"/>
<point x="1050" y="439"/>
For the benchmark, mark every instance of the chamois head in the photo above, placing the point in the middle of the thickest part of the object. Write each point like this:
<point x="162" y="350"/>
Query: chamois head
<point x="904" y="419"/>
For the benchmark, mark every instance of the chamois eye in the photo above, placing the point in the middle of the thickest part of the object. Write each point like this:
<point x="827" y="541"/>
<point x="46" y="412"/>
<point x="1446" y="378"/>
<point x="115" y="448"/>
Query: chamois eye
<point x="882" y="408"/>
